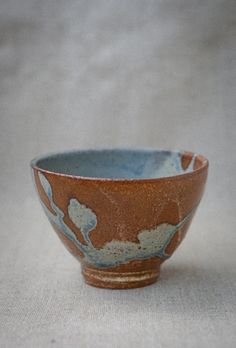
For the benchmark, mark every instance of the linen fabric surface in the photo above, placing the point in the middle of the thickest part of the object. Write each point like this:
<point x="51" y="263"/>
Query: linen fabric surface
<point x="86" y="74"/>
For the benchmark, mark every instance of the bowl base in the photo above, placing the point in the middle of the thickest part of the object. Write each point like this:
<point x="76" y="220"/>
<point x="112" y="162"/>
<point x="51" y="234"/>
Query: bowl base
<point x="119" y="280"/>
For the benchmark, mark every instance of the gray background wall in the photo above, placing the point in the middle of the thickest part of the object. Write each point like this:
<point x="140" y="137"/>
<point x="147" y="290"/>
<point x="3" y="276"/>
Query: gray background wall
<point x="79" y="74"/>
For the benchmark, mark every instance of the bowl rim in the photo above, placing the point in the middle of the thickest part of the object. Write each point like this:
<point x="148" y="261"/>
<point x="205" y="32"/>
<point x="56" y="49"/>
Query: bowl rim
<point x="204" y="165"/>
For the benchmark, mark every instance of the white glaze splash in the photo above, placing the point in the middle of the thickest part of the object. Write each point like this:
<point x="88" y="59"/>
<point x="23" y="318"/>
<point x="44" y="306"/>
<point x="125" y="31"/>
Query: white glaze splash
<point x="83" y="218"/>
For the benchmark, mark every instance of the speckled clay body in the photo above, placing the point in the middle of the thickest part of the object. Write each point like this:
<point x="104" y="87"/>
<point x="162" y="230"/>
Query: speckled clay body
<point x="122" y="213"/>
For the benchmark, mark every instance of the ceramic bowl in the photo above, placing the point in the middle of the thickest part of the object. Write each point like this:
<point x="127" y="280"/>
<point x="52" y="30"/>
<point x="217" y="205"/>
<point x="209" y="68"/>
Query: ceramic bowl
<point x="121" y="213"/>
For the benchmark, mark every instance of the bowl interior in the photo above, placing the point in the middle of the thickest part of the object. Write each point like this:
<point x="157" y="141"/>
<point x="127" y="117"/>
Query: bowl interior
<point x="121" y="164"/>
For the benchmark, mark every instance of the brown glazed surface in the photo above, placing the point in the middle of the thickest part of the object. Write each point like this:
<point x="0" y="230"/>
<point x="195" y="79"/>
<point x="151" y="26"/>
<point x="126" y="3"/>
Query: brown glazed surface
<point x="123" y="209"/>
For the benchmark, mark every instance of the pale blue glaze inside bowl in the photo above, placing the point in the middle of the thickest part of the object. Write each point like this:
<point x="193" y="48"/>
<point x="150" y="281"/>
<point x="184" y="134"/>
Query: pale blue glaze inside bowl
<point x="116" y="164"/>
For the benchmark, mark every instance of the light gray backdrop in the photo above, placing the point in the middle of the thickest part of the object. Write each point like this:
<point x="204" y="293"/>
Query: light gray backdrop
<point x="78" y="74"/>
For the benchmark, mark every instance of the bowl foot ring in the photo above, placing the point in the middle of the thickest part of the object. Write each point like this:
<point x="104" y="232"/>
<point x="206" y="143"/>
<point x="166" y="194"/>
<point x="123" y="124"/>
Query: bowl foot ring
<point x="119" y="280"/>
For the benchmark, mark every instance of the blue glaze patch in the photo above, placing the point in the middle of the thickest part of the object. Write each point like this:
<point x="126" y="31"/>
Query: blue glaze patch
<point x="84" y="218"/>
<point x="151" y="243"/>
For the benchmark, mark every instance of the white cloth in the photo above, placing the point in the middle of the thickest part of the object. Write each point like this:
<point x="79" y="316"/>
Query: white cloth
<point x="82" y="74"/>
